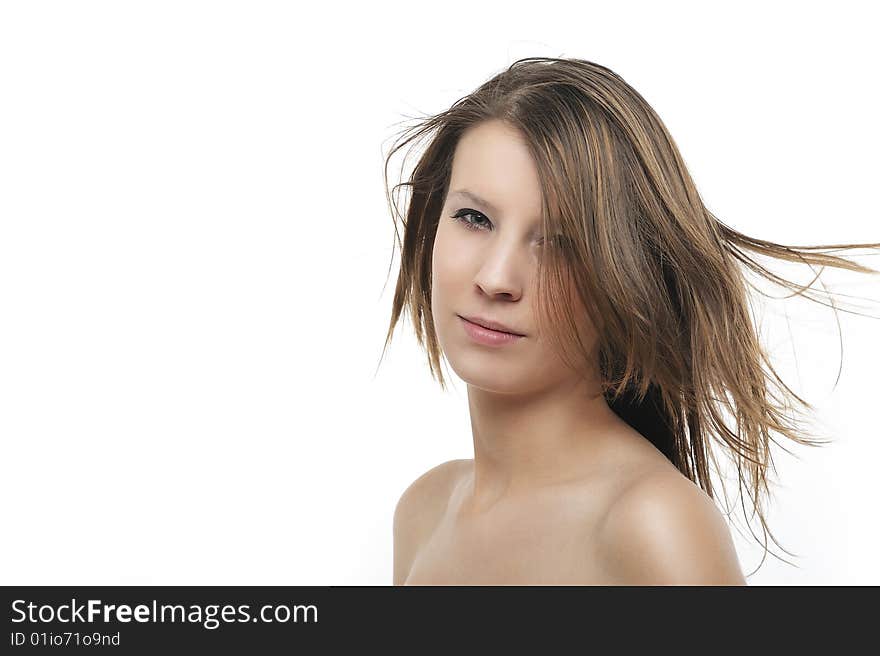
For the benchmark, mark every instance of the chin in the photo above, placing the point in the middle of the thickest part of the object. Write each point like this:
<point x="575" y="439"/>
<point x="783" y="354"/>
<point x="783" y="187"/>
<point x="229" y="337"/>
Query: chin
<point x="490" y="377"/>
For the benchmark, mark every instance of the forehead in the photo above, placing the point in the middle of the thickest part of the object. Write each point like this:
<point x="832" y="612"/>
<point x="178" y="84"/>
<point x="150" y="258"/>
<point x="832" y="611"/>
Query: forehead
<point x="492" y="167"/>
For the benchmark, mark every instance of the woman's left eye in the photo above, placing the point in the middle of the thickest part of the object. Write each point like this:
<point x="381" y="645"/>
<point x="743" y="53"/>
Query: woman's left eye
<point x="556" y="241"/>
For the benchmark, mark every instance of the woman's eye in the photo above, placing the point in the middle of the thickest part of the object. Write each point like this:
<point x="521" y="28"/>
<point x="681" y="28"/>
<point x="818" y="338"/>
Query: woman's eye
<point x="471" y="225"/>
<point x="557" y="241"/>
<point x="478" y="221"/>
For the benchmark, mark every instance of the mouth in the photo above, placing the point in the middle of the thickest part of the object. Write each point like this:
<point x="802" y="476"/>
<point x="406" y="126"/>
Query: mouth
<point x="491" y="325"/>
<point x="488" y="336"/>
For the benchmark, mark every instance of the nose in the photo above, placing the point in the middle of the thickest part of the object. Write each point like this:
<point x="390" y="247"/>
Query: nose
<point x="502" y="271"/>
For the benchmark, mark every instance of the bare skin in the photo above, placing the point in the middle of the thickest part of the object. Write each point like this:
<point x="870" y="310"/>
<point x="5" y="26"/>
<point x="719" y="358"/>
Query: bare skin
<point x="551" y="459"/>
<point x="549" y="535"/>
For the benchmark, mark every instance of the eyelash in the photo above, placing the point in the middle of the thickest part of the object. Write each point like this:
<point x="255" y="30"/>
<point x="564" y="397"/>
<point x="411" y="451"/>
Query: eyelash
<point x="460" y="214"/>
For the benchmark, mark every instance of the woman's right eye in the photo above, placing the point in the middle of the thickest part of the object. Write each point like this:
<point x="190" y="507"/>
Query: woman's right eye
<point x="470" y="225"/>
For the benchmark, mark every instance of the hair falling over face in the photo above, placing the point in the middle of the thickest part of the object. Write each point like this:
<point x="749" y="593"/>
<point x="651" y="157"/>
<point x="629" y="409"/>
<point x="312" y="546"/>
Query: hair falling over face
<point x="660" y="277"/>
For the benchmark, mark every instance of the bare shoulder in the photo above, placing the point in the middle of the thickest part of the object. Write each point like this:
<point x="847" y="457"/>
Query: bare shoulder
<point x="418" y="510"/>
<point x="664" y="530"/>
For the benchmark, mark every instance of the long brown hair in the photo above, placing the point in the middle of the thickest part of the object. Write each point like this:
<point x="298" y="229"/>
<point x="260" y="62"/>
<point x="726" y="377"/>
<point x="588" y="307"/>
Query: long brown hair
<point x="662" y="278"/>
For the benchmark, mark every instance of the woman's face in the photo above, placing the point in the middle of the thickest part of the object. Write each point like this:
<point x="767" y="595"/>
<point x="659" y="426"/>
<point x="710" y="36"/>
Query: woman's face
<point x="484" y="264"/>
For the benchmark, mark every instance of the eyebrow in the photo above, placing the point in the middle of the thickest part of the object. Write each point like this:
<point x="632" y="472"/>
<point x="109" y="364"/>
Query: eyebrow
<point x="477" y="199"/>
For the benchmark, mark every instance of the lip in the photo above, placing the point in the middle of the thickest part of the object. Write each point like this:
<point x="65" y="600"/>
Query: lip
<point x="487" y="336"/>
<point x="492" y="325"/>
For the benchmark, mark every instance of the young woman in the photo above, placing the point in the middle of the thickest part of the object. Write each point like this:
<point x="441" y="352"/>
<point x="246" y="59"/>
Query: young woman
<point x="557" y="254"/>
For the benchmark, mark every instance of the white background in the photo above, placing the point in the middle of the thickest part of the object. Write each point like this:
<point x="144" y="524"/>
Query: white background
<point x="194" y="248"/>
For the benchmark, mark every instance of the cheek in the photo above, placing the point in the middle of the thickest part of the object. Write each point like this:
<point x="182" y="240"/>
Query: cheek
<point x="569" y="297"/>
<point x="448" y="260"/>
<point x="442" y="273"/>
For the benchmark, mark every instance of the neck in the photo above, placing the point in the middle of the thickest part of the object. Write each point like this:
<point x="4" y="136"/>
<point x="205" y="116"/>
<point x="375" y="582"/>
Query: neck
<point x="522" y="442"/>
